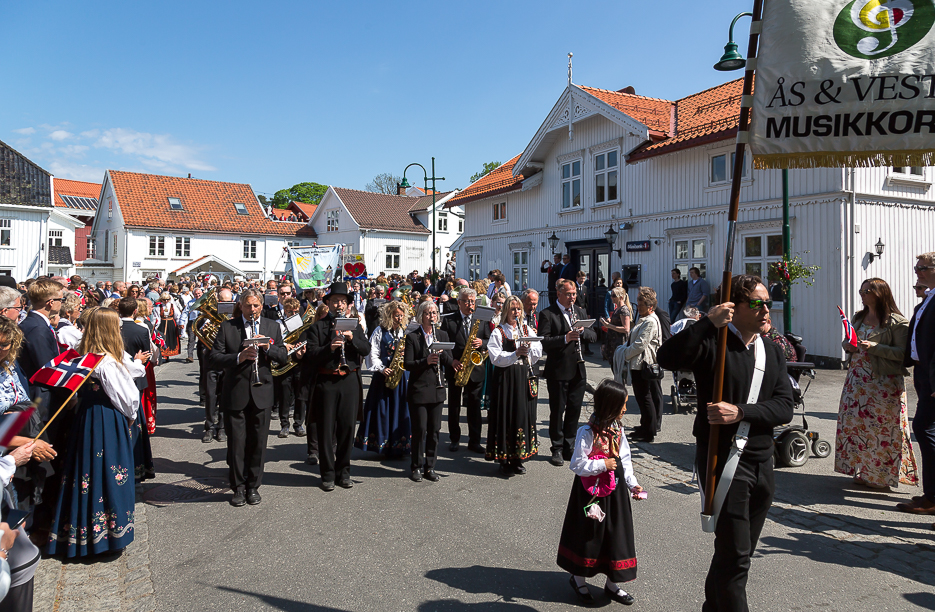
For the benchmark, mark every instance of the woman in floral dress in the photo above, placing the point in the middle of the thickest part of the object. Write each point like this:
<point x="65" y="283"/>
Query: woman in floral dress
<point x="94" y="511"/>
<point x="872" y="443"/>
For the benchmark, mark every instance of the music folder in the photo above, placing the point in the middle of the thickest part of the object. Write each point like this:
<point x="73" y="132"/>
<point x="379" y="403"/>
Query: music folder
<point x="226" y="308"/>
<point x="258" y="341"/>
<point x="293" y="323"/>
<point x="442" y="346"/>
<point x="584" y="323"/>
<point x="484" y="313"/>
<point x="342" y="324"/>
<point x="530" y="339"/>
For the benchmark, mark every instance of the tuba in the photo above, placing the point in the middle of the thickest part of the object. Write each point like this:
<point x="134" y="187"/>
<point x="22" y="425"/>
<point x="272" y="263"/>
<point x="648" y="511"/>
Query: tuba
<point x="209" y="321"/>
<point x="308" y="319"/>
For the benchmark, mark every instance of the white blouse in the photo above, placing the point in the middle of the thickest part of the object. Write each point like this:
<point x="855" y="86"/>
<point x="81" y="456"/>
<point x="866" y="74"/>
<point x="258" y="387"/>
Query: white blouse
<point x="70" y="336"/>
<point x="117" y="381"/>
<point x="373" y="362"/>
<point x="582" y="466"/>
<point x="502" y="358"/>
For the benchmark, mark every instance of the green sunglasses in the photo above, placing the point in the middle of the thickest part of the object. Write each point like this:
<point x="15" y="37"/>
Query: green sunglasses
<point x="757" y="304"/>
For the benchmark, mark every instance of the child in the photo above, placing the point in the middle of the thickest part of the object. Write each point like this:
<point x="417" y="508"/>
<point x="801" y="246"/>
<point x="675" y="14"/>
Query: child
<point x="597" y="537"/>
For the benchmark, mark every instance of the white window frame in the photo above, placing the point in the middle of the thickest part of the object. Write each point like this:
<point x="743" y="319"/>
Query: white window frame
<point x="520" y="276"/>
<point x="157" y="245"/>
<point x="910" y="170"/>
<point x="175" y="203"/>
<point x="729" y="170"/>
<point x="571" y="181"/>
<point x="113" y="254"/>
<point x="499" y="213"/>
<point x="89" y="247"/>
<point x="763" y="259"/>
<point x="394" y="257"/>
<point x="691" y="260"/>
<point x="56" y="236"/>
<point x="6" y="232"/>
<point x="460" y="225"/>
<point x="474" y="266"/>
<point x="442" y="222"/>
<point x="183" y="246"/>
<point x="240" y="208"/>
<point x="605" y="173"/>
<point x="249" y="249"/>
<point x="332" y="220"/>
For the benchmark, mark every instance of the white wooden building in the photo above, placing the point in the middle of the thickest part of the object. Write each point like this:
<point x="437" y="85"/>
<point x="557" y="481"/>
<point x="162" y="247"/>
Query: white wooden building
<point x="393" y="233"/>
<point x="149" y="225"/>
<point x="659" y="172"/>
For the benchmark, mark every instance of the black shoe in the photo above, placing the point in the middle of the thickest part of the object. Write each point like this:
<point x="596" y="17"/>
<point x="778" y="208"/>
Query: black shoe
<point x="284" y="432"/>
<point x="519" y="468"/>
<point x="588" y="352"/>
<point x="626" y="599"/>
<point x="642" y="438"/>
<point x="220" y="436"/>
<point x="238" y="499"/>
<point x="327" y="486"/>
<point x="431" y="475"/>
<point x="253" y="497"/>
<point x="346" y="483"/>
<point x="476" y="448"/>
<point x="208" y="436"/>
<point x="566" y="455"/>
<point x="312" y="460"/>
<point x="415" y="476"/>
<point x="454" y="447"/>
<point x="505" y="470"/>
<point x="557" y="459"/>
<point x="300" y="431"/>
<point x="583" y="593"/>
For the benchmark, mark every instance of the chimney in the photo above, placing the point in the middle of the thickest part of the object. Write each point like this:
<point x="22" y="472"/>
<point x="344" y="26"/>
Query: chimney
<point x="627" y="90"/>
<point x="189" y="175"/>
<point x="400" y="190"/>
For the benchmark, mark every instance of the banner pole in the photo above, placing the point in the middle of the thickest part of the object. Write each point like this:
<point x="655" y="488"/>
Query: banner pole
<point x="66" y="401"/>
<point x="733" y="214"/>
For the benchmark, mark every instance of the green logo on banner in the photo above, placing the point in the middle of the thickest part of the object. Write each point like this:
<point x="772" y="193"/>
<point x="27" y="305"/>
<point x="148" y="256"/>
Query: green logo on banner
<point x="871" y="29"/>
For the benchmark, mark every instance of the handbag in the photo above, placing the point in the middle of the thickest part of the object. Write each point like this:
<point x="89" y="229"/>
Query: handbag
<point x="652" y="371"/>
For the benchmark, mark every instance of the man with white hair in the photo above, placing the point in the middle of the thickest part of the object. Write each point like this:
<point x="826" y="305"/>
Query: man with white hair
<point x="458" y="327"/>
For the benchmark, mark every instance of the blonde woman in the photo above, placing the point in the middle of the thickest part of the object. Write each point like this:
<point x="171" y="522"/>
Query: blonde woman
<point x="386" y="428"/>
<point x="481" y="288"/>
<point x="94" y="511"/>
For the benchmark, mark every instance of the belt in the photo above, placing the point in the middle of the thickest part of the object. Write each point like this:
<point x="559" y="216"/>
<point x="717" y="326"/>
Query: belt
<point x="328" y="372"/>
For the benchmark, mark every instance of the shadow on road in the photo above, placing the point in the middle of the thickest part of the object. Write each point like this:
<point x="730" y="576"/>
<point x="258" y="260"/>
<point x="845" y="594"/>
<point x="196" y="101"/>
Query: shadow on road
<point x="506" y="582"/>
<point x="279" y="603"/>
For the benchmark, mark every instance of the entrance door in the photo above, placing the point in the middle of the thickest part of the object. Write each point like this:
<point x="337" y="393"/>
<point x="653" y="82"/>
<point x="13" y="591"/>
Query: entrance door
<point x="593" y="259"/>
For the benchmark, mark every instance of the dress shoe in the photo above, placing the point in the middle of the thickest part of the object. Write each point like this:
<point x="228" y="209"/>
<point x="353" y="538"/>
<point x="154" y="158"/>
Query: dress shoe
<point x="454" y="447"/>
<point x="626" y="599"/>
<point x="220" y="436"/>
<point x="300" y="431"/>
<point x="253" y="497"/>
<point x="476" y="448"/>
<point x="582" y="592"/>
<point x="506" y="470"/>
<point x="238" y="499"/>
<point x="346" y="483"/>
<point x="207" y="436"/>
<point x="415" y="476"/>
<point x="566" y="455"/>
<point x="284" y="432"/>
<point x="924" y="507"/>
<point x="189" y="360"/>
<point x="557" y="459"/>
<point x="327" y="486"/>
<point x="431" y="475"/>
<point x="519" y="468"/>
<point x="312" y="459"/>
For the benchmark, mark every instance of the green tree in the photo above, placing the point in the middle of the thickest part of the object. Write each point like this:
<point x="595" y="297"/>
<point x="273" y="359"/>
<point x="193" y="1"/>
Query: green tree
<point x="383" y="183"/>
<point x="310" y="193"/>
<point x="487" y="169"/>
<point x="264" y="202"/>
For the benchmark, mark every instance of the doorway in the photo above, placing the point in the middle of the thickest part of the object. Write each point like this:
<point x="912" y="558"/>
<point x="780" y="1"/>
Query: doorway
<point x="593" y="258"/>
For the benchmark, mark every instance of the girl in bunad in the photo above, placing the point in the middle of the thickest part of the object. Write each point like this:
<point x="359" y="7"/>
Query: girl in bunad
<point x="386" y="428"/>
<point x="511" y="422"/>
<point x="597" y="537"/>
<point x="94" y="512"/>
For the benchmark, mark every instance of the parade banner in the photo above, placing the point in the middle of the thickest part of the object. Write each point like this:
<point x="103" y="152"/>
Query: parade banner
<point x="842" y="84"/>
<point x="355" y="267"/>
<point x="314" y="266"/>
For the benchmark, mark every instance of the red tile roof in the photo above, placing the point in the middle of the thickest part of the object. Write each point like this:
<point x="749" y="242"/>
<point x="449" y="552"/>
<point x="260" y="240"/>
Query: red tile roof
<point x="80" y="189"/>
<point x="425" y="202"/>
<point x="380" y="211"/>
<point x="308" y="209"/>
<point x="654" y="113"/>
<point x="497" y="181"/>
<point x="207" y="206"/>
<point x="708" y="116"/>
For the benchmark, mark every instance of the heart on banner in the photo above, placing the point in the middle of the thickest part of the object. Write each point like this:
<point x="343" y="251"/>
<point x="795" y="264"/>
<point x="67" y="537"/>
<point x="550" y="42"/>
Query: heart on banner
<point x="360" y="269"/>
<point x="349" y="269"/>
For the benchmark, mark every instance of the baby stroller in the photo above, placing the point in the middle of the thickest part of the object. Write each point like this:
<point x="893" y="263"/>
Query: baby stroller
<point x="795" y="442"/>
<point x="684" y="392"/>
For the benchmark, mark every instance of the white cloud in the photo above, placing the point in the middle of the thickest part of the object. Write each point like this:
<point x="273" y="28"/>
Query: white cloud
<point x="76" y="172"/>
<point x="73" y="150"/>
<point x="27" y="131"/>
<point x="90" y="134"/>
<point x="60" y="135"/>
<point x="155" y="150"/>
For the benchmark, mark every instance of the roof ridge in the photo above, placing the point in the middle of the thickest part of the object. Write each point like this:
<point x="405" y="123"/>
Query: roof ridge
<point x="620" y="93"/>
<point x="181" y="178"/>
<point x="703" y="91"/>
<point x="377" y="193"/>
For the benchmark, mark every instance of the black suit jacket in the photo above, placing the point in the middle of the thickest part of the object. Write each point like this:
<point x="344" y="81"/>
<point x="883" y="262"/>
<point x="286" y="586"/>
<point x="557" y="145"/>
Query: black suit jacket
<point x="561" y="357"/>
<point x="423" y="380"/>
<point x="135" y="337"/>
<point x="581" y="300"/>
<point x="453" y="326"/>
<point x="924" y="371"/>
<point x="237" y="388"/>
<point x="372" y="312"/>
<point x="318" y="352"/>
<point x="40" y="344"/>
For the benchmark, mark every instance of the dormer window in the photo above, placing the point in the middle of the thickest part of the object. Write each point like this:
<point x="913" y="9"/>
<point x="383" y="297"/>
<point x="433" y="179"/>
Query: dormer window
<point x="241" y="208"/>
<point x="175" y="204"/>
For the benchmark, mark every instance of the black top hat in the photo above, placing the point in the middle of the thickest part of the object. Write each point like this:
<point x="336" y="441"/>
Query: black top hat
<point x="7" y="281"/>
<point x="338" y="288"/>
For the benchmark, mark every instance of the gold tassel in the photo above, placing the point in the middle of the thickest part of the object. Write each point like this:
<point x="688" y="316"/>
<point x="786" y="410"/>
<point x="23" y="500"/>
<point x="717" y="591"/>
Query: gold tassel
<point x="844" y="159"/>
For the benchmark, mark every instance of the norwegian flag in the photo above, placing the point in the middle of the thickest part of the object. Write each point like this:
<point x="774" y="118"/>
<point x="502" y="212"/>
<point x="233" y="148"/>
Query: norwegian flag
<point x="68" y="370"/>
<point x="849" y="334"/>
<point x="10" y="425"/>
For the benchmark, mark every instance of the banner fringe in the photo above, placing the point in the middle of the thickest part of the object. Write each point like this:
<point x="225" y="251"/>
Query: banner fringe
<point x="844" y="159"/>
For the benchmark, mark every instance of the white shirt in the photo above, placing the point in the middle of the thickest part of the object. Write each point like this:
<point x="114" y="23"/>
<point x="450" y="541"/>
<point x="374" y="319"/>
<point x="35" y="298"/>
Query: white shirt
<point x="914" y="352"/>
<point x="501" y="358"/>
<point x="582" y="466"/>
<point x="429" y="336"/>
<point x="373" y="362"/>
<point x="248" y="325"/>
<point x="117" y="381"/>
<point x="69" y="335"/>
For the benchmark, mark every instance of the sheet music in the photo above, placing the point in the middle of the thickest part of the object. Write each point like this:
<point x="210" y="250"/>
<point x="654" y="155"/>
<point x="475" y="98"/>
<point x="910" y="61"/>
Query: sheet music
<point x="346" y="324"/>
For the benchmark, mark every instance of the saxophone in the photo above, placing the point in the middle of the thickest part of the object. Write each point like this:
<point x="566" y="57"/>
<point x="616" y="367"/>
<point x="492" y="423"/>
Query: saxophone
<point x="470" y="358"/>
<point x="396" y="366"/>
<point x="308" y="319"/>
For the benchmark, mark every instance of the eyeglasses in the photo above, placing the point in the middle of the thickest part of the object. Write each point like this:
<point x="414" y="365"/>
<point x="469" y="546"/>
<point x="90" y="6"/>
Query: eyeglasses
<point x="5" y="346"/>
<point x="923" y="268"/>
<point x="864" y="291"/>
<point x="757" y="304"/>
<point x="55" y="299"/>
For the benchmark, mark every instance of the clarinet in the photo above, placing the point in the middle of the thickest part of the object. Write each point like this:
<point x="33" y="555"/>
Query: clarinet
<point x="438" y="370"/>
<point x="574" y="319"/>
<point x="525" y="358"/>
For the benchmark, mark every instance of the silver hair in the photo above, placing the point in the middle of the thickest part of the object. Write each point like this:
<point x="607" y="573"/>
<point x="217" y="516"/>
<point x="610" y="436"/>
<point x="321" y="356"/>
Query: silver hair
<point x="8" y="297"/>
<point x="420" y="311"/>
<point x="466" y="292"/>
<point x="248" y="293"/>
<point x="529" y="292"/>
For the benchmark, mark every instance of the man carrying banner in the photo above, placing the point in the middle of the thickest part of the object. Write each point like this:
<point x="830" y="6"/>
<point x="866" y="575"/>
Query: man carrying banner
<point x="757" y="396"/>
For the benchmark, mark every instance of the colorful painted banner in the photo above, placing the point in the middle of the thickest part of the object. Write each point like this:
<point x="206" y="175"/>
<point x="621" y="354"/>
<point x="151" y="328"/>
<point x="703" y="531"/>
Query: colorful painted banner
<point x="354" y="266"/>
<point x="314" y="266"/>
<point x="845" y="83"/>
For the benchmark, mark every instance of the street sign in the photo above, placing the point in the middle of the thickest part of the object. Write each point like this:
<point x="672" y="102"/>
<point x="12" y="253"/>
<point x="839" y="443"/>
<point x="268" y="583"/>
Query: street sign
<point x="638" y="245"/>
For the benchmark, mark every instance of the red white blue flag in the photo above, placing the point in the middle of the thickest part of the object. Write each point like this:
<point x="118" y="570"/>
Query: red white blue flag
<point x="11" y="424"/>
<point x="849" y="333"/>
<point x="68" y="370"/>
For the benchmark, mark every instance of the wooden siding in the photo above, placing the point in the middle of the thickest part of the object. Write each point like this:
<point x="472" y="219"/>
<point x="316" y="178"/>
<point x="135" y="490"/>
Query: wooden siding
<point x="21" y="181"/>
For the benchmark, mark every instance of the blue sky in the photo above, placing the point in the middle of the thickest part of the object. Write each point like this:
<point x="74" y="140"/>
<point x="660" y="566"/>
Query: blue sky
<point x="277" y="93"/>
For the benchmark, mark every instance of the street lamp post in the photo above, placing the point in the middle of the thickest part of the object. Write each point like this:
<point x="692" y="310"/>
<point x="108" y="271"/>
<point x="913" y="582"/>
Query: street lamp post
<point x="611" y="236"/>
<point x="433" y="178"/>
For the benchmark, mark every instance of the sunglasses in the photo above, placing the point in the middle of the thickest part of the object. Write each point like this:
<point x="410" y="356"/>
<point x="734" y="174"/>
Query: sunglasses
<point x="757" y="304"/>
<point x="923" y="268"/>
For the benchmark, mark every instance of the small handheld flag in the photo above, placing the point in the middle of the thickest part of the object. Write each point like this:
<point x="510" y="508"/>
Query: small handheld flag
<point x="10" y="425"/>
<point x="849" y="334"/>
<point x="69" y="370"/>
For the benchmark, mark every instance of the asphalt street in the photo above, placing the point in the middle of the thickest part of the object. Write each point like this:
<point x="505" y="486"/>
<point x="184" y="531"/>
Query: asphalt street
<point x="476" y="541"/>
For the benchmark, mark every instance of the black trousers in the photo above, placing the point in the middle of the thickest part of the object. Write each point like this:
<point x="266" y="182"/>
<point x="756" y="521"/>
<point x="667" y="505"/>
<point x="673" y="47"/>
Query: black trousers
<point x="19" y="598"/>
<point x="284" y="392"/>
<point x="426" y="423"/>
<point x="337" y="399"/>
<point x="213" y="418"/>
<point x="471" y="394"/>
<point x="311" y="426"/>
<point x="247" y="431"/>
<point x="648" y="394"/>
<point x="565" y="397"/>
<point x="923" y="425"/>
<point x="736" y="534"/>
